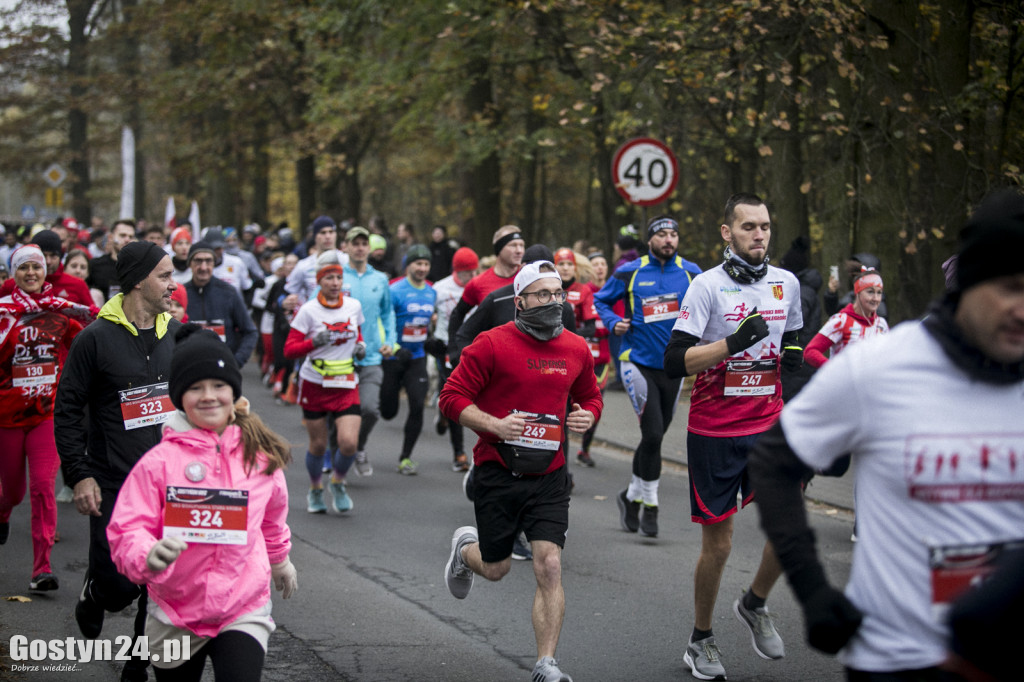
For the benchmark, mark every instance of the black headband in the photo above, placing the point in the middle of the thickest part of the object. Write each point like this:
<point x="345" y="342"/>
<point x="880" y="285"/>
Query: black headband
<point x="502" y="241"/>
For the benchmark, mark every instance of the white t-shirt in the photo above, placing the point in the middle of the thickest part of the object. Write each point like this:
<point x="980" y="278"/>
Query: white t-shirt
<point x="939" y="464"/>
<point x="842" y="329"/>
<point x="449" y="293"/>
<point x="743" y="395"/>
<point x="345" y="320"/>
<point x="233" y="271"/>
<point x="259" y="300"/>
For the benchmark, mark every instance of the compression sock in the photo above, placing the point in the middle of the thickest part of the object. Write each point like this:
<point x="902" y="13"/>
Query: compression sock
<point x="634" y="493"/>
<point x="314" y="467"/>
<point x="649" y="490"/>
<point x="342" y="463"/>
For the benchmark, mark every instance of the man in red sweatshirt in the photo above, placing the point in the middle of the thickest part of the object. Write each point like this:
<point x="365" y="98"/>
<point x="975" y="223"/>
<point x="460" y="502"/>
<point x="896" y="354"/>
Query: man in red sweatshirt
<point x="512" y="387"/>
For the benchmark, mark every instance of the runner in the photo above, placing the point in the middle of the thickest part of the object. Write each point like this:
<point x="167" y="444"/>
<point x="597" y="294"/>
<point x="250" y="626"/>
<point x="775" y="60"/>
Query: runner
<point x="581" y="297"/>
<point x="856" y="322"/>
<point x="449" y="293"/>
<point x="652" y="287"/>
<point x="599" y="347"/>
<point x="221" y="464"/>
<point x="501" y="391"/>
<point x="733" y="321"/>
<point x="370" y="287"/>
<point x="36" y="330"/>
<point x="413" y="299"/>
<point x="326" y="332"/>
<point x="217" y="306"/>
<point x="111" y="400"/>
<point x="932" y="418"/>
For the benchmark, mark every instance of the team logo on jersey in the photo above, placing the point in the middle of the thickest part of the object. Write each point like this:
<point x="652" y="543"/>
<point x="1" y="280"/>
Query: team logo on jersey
<point x="777" y="292"/>
<point x="738" y="313"/>
<point x="684" y="313"/>
<point x="341" y="330"/>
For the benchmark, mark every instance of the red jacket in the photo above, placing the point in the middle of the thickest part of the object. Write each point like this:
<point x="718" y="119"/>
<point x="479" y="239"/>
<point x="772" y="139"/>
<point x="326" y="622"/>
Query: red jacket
<point x="505" y="369"/>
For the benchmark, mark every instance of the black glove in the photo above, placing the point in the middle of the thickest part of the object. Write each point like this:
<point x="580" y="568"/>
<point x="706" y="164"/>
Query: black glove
<point x="322" y="338"/>
<point x="435" y="347"/>
<point x="752" y="329"/>
<point x="403" y="355"/>
<point x="831" y="619"/>
<point x="360" y="351"/>
<point x="792" y="358"/>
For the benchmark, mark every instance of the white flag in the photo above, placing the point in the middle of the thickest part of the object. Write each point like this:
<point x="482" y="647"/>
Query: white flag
<point x="169" y="213"/>
<point x="127" y="172"/>
<point x="193" y="217"/>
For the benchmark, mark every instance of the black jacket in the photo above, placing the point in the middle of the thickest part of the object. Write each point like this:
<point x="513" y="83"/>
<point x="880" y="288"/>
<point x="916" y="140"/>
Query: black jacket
<point x="219" y="302"/>
<point x="105" y="358"/>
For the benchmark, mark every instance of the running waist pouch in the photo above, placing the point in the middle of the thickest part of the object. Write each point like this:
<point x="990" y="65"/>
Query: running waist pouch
<point x="333" y="368"/>
<point x="525" y="461"/>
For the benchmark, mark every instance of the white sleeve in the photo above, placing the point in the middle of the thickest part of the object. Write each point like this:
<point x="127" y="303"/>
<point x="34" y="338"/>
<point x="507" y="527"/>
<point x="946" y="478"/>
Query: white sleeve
<point x="695" y="310"/>
<point x="303" y="321"/>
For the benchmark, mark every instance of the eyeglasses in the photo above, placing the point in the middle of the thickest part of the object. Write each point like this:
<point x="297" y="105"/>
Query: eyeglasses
<point x="545" y="296"/>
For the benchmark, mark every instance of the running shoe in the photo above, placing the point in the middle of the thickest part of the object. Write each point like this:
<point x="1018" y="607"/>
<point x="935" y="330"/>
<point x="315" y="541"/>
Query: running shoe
<point x="440" y="423"/>
<point x="457" y="574"/>
<point x="763" y="636"/>
<point x="546" y="670"/>
<point x="649" y="521"/>
<point x="88" y="614"/>
<point x="315" y="501"/>
<point x="460" y="463"/>
<point x="629" y="513"/>
<point x="521" y="548"/>
<point x="704" y="659"/>
<point x="363" y="466"/>
<point x="66" y="495"/>
<point x="5" y="531"/>
<point x="407" y="467"/>
<point x="585" y="459"/>
<point x="339" y="497"/>
<point x="44" y="582"/>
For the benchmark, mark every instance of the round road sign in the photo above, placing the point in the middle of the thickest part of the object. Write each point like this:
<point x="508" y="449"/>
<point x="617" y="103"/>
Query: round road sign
<point x="644" y="171"/>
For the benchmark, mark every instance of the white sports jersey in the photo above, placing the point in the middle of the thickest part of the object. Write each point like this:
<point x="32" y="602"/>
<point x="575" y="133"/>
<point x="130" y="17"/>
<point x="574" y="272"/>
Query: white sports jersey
<point x="233" y="271"/>
<point x="743" y="395"/>
<point x="842" y="329"/>
<point x="344" y="321"/>
<point x="449" y="293"/>
<point x="939" y="484"/>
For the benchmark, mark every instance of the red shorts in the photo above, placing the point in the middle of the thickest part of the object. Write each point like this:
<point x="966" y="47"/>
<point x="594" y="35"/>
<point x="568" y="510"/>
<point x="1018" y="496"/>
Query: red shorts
<point x="315" y="398"/>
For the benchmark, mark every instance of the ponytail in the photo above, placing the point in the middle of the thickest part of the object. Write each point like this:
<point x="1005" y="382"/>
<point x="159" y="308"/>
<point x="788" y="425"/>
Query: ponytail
<point x="257" y="437"/>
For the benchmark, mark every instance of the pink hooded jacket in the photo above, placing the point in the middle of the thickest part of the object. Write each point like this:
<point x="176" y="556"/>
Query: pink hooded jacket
<point x="209" y="585"/>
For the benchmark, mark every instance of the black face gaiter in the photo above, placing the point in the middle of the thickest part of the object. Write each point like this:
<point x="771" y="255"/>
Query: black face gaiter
<point x="543" y="322"/>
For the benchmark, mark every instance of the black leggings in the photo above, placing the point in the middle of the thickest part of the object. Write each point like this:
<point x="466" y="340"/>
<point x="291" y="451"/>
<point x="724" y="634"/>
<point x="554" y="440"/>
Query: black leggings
<point x="654" y="397"/>
<point x="412" y="376"/>
<point x="236" y="656"/>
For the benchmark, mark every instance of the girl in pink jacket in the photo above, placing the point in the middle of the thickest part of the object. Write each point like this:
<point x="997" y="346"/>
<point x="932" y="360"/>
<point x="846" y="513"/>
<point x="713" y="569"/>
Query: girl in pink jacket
<point x="202" y="521"/>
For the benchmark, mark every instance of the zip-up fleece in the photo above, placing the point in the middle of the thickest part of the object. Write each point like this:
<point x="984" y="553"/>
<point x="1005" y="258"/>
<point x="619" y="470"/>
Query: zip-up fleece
<point x="106" y="357"/>
<point x="208" y="586"/>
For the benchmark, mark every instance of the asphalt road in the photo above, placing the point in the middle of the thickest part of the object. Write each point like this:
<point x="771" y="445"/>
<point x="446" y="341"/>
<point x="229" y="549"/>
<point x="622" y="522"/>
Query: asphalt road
<point x="372" y="603"/>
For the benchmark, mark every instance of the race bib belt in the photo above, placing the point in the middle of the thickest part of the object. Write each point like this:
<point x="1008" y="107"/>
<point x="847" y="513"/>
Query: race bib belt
<point x="145" y="406"/>
<point x="205" y="515"/>
<point x="336" y="373"/>
<point x="39" y="372"/>
<point x="660" y="308"/>
<point x="750" y="377"/>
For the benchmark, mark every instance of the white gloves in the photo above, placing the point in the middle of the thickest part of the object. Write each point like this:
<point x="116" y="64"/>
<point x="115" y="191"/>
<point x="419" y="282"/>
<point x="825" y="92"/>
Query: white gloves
<point x="286" y="578"/>
<point x="164" y="552"/>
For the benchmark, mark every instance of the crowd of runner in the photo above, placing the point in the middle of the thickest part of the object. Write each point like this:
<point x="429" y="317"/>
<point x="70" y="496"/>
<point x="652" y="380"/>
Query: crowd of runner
<point x="123" y="341"/>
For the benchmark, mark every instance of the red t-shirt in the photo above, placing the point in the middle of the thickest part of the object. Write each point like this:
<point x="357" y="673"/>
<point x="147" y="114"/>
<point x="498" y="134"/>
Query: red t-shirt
<point x="505" y="369"/>
<point x="483" y="284"/>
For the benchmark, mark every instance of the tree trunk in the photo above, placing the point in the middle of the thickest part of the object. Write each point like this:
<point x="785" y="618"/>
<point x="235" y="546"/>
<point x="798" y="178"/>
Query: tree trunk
<point x="78" y="118"/>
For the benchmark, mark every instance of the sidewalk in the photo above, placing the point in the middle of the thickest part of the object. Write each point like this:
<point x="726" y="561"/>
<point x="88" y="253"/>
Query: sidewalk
<point x="620" y="428"/>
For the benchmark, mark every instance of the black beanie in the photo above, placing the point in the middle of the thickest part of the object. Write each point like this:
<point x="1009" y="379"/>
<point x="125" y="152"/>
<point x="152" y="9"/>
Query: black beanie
<point x="48" y="241"/>
<point x="798" y="258"/>
<point x="200" y="354"/>
<point x="991" y="243"/>
<point x="536" y="252"/>
<point x="135" y="262"/>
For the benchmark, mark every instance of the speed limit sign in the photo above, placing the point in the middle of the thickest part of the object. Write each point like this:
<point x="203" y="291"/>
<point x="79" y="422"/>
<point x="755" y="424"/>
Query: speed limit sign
<point x="644" y="171"/>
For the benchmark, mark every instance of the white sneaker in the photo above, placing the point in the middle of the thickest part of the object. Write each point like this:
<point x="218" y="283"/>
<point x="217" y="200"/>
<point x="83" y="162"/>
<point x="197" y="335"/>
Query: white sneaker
<point x="457" y="574"/>
<point x="546" y="670"/>
<point x="363" y="466"/>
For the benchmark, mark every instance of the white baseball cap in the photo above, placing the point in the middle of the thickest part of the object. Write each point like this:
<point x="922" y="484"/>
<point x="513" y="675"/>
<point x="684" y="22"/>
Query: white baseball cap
<point x="530" y="273"/>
